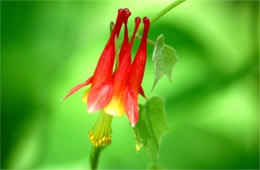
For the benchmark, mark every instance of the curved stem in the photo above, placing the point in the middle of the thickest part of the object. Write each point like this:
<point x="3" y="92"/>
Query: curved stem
<point x="165" y="10"/>
<point x="160" y="14"/>
<point x="148" y="40"/>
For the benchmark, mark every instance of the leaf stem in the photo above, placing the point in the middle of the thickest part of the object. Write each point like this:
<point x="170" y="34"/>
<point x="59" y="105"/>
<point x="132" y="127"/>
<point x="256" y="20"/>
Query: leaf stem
<point x="148" y="40"/>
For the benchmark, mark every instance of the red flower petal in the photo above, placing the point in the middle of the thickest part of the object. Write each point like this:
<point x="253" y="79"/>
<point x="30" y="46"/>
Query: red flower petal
<point x="131" y="106"/>
<point x="104" y="69"/>
<point x="99" y="97"/>
<point x="124" y="48"/>
<point x="77" y="87"/>
<point x="137" y="23"/>
<point x="101" y="89"/>
<point x="138" y="65"/>
<point x="121" y="76"/>
<point x="136" y="77"/>
<point x="141" y="91"/>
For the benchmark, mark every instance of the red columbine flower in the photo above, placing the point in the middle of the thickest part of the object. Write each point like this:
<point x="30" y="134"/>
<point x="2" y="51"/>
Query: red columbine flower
<point x="121" y="76"/>
<point x="100" y="91"/>
<point x="128" y="77"/>
<point x="118" y="93"/>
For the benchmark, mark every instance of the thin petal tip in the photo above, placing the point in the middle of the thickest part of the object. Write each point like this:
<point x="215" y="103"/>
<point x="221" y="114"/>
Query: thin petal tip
<point x="64" y="98"/>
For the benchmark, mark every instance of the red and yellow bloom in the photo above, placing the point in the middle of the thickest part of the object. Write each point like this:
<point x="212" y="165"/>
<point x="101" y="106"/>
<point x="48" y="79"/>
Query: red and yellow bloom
<point x="100" y="91"/>
<point x="117" y="92"/>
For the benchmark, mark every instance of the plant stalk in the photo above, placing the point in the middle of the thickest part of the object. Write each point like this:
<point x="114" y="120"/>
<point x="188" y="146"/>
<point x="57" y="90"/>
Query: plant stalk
<point x="94" y="156"/>
<point x="148" y="40"/>
<point x="163" y="12"/>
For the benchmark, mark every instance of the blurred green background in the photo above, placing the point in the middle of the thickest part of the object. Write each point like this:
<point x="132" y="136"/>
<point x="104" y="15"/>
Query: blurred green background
<point x="213" y="102"/>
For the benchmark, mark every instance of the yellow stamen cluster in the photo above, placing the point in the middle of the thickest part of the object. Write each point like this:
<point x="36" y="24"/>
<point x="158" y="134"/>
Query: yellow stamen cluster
<point x="100" y="134"/>
<point x="97" y="141"/>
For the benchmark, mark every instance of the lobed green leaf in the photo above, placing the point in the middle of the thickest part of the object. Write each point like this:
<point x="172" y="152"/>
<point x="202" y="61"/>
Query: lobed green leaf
<point x="151" y="126"/>
<point x="164" y="59"/>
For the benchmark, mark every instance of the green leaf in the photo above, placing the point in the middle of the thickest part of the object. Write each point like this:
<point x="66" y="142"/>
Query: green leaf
<point x="151" y="126"/>
<point x="164" y="59"/>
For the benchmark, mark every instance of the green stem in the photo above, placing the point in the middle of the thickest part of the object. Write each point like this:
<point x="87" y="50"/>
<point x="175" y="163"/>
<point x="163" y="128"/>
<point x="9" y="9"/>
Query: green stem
<point x="111" y="26"/>
<point x="94" y="157"/>
<point x="163" y="12"/>
<point x="148" y="40"/>
<point x="117" y="46"/>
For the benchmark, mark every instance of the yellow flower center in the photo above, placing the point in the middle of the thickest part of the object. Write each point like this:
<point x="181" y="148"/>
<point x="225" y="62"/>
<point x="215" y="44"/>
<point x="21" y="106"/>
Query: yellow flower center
<point x="115" y="107"/>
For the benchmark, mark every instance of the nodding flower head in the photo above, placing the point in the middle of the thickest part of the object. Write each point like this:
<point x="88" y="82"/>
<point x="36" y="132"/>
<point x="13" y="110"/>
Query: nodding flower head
<point x="100" y="91"/>
<point x="120" y="81"/>
<point x="116" y="91"/>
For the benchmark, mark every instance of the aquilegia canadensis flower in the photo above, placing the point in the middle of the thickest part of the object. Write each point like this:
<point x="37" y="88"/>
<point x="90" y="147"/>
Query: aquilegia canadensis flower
<point x="116" y="91"/>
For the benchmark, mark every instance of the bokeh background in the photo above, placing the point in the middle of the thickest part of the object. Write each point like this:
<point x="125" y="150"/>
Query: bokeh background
<point x="212" y="103"/>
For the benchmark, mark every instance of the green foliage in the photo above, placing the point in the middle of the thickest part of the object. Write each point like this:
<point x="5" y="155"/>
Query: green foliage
<point x="151" y="126"/>
<point x="58" y="44"/>
<point x="164" y="59"/>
